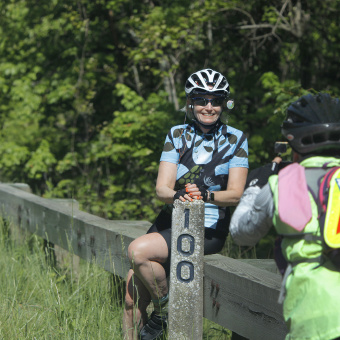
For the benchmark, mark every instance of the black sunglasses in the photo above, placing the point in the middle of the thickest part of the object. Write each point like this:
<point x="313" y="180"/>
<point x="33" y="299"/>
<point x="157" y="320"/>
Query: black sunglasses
<point x="205" y="101"/>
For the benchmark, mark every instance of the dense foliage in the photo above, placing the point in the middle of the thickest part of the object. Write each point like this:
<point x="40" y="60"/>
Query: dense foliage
<point x="89" y="88"/>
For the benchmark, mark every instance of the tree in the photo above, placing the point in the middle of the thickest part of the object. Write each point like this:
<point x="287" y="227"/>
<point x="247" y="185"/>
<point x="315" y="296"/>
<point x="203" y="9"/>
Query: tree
<point x="89" y="89"/>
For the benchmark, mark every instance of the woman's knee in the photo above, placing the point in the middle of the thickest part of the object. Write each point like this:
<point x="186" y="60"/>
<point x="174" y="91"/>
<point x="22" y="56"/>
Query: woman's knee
<point x="136" y="253"/>
<point x="149" y="247"/>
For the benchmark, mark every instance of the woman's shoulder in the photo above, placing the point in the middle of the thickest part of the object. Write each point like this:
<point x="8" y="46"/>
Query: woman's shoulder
<point x="227" y="129"/>
<point x="179" y="128"/>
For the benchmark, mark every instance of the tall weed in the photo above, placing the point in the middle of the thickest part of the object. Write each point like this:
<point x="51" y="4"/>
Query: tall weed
<point x="40" y="301"/>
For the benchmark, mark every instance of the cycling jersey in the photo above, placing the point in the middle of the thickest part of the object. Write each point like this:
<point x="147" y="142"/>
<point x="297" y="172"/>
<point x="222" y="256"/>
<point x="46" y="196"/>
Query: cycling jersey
<point x="204" y="159"/>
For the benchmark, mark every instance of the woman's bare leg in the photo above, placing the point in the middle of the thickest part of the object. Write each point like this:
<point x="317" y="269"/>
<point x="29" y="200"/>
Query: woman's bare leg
<point x="137" y="299"/>
<point x="146" y="280"/>
<point x="146" y="254"/>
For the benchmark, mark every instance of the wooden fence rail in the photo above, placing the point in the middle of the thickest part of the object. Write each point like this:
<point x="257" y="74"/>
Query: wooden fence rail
<point x="240" y="295"/>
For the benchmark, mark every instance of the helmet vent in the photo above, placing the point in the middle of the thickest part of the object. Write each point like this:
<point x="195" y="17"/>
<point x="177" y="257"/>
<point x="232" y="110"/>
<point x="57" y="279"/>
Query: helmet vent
<point x="334" y="136"/>
<point x="197" y="80"/>
<point x="223" y="84"/>
<point x="320" y="138"/>
<point x="216" y="76"/>
<point x="307" y="140"/>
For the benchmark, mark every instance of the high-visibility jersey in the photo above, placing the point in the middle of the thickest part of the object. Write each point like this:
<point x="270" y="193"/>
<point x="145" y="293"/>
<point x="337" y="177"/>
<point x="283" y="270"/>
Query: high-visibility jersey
<point x="312" y="303"/>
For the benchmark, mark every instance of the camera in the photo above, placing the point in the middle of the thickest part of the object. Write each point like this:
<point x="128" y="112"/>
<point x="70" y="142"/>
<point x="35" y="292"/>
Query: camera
<point x="280" y="147"/>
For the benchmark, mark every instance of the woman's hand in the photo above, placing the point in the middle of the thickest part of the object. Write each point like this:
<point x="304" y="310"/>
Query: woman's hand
<point x="182" y="195"/>
<point x="189" y="193"/>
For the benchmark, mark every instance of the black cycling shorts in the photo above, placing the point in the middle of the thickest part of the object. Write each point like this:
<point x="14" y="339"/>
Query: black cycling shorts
<point x="213" y="240"/>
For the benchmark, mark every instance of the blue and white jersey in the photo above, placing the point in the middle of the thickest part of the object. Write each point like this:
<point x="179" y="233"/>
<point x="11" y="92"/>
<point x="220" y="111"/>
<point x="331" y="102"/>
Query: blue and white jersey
<point x="205" y="159"/>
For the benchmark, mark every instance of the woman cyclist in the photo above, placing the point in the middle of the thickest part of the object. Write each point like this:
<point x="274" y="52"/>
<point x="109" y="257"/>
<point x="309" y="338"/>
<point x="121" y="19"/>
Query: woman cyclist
<point x="205" y="159"/>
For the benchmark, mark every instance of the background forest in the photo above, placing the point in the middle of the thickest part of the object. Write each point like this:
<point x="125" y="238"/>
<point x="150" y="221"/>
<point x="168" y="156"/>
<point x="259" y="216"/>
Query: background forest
<point x="89" y="88"/>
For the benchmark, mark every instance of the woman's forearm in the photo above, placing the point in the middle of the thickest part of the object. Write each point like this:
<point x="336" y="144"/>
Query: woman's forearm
<point x="226" y="198"/>
<point x="165" y="194"/>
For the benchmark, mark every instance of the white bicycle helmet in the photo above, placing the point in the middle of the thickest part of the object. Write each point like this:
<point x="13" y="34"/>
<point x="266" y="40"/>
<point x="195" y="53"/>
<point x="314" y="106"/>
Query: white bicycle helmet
<point x="207" y="80"/>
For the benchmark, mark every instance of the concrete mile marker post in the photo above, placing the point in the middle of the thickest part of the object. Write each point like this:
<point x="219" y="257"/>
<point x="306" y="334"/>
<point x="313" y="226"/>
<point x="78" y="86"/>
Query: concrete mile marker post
<point x="186" y="272"/>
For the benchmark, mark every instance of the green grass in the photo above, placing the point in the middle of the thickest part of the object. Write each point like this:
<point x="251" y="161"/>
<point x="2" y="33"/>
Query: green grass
<point x="39" y="301"/>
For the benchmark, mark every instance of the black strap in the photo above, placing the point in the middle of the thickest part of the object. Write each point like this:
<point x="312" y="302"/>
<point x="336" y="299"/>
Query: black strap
<point x="305" y="236"/>
<point x="311" y="260"/>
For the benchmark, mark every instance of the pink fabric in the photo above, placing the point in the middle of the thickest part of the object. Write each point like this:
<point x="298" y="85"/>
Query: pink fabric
<point x="294" y="203"/>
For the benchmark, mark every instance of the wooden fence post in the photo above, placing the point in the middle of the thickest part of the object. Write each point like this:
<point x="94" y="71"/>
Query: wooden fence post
<point x="65" y="258"/>
<point x="186" y="273"/>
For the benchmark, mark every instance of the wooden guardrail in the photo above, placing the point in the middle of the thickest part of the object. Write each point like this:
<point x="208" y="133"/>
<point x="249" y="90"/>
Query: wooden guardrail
<point x="240" y="295"/>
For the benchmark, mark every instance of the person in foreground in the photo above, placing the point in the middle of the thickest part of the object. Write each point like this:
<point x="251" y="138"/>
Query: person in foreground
<point x="206" y="160"/>
<point x="295" y="202"/>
